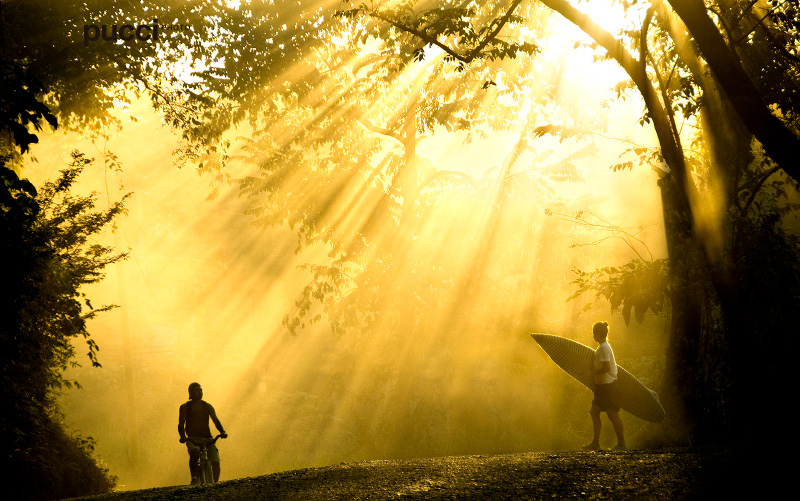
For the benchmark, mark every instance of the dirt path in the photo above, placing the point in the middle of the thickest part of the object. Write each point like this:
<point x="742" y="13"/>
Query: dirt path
<point x="564" y="475"/>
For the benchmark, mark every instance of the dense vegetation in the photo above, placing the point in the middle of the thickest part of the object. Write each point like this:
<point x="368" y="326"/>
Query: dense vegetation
<point x="47" y="261"/>
<point x="47" y="258"/>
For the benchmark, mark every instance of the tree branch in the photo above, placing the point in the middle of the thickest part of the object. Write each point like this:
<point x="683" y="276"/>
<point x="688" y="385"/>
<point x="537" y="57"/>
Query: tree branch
<point x="779" y="142"/>
<point x="637" y="70"/>
<point x="421" y="34"/>
<point x="662" y="83"/>
<point x="756" y="188"/>
<point x="379" y="130"/>
<point x="616" y="231"/>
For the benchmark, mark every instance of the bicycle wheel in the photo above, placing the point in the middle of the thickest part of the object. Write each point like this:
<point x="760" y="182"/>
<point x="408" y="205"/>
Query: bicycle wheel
<point x="208" y="473"/>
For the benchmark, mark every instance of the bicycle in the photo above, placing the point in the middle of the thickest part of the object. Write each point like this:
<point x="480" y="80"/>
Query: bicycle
<point x="204" y="470"/>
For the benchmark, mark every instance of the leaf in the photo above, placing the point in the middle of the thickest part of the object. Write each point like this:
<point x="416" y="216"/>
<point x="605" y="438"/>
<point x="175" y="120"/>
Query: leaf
<point x="639" y="311"/>
<point x="622" y="166"/>
<point x="626" y="313"/>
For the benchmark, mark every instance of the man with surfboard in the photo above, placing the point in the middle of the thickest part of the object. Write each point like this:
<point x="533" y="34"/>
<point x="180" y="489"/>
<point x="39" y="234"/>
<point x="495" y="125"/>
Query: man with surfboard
<point x="606" y="393"/>
<point x="627" y="392"/>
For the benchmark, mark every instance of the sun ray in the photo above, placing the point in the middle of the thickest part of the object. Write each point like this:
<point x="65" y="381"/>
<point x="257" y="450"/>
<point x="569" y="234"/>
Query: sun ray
<point x="435" y="358"/>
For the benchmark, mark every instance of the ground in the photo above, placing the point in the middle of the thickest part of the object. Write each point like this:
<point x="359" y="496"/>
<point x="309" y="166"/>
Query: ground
<point x="665" y="474"/>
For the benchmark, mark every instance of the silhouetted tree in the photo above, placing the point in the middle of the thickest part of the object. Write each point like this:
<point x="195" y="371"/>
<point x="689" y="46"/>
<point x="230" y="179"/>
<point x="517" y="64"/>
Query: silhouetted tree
<point x="47" y="257"/>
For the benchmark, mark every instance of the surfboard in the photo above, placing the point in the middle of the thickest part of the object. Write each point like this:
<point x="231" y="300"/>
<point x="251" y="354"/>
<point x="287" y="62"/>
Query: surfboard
<point x="576" y="359"/>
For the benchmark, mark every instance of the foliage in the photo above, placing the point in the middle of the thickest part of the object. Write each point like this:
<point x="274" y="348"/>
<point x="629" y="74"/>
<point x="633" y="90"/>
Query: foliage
<point x="636" y="287"/>
<point x="344" y="133"/>
<point x="472" y="29"/>
<point x="49" y="257"/>
<point x="641" y="285"/>
<point x="82" y="82"/>
<point x="345" y="77"/>
<point x="345" y="120"/>
<point x="55" y="464"/>
<point x="768" y="278"/>
<point x="767" y="39"/>
<point x="20" y="107"/>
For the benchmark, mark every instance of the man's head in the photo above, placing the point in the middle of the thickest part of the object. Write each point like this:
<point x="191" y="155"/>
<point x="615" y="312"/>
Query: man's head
<point x="195" y="391"/>
<point x="600" y="331"/>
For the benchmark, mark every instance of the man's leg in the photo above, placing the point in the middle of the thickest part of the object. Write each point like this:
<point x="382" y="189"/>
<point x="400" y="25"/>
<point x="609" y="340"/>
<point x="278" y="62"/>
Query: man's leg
<point x="594" y="412"/>
<point x="618" y="429"/>
<point x="194" y="455"/>
<point x="193" y="468"/>
<point x="213" y="458"/>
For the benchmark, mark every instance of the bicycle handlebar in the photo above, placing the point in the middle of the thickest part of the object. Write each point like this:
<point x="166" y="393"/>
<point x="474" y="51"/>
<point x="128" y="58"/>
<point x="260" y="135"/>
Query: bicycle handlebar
<point x="204" y="440"/>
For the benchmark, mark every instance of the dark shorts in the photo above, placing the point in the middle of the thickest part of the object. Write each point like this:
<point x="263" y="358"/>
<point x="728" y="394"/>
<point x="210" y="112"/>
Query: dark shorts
<point x="213" y="453"/>
<point x="606" y="397"/>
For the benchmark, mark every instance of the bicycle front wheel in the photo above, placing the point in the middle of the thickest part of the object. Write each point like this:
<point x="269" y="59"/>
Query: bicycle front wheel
<point x="208" y="473"/>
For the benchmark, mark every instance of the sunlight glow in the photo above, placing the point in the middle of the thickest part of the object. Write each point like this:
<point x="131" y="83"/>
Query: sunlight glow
<point x="611" y="15"/>
<point x="443" y="363"/>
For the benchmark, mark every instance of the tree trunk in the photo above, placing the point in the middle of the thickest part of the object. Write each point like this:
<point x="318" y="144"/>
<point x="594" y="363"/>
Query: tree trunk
<point x="409" y="177"/>
<point x="681" y="371"/>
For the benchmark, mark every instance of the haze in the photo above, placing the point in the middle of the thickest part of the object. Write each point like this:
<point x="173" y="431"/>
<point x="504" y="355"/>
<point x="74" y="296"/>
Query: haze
<point x="444" y="363"/>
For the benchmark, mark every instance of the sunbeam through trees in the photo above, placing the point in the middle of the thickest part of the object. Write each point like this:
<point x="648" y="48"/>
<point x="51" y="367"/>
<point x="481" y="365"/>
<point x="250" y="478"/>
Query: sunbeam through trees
<point x="345" y="218"/>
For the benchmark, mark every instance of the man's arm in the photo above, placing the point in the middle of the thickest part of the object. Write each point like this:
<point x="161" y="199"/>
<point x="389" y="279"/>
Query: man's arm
<point x="182" y="422"/>
<point x="213" y="414"/>
<point x="596" y="373"/>
<point x="605" y="367"/>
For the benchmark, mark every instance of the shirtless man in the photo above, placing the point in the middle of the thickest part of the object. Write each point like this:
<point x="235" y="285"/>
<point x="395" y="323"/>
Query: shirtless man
<point x="606" y="395"/>
<point x="193" y="422"/>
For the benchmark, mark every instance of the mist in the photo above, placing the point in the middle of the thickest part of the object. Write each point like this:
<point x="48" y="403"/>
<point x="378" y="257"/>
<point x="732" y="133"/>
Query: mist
<point x="346" y="220"/>
<point x="444" y="364"/>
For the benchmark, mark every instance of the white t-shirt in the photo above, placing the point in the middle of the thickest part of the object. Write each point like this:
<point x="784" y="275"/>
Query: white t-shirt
<point x="603" y="353"/>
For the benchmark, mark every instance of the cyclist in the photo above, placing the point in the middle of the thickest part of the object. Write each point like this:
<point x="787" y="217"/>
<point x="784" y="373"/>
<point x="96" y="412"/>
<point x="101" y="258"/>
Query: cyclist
<point x="193" y="422"/>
